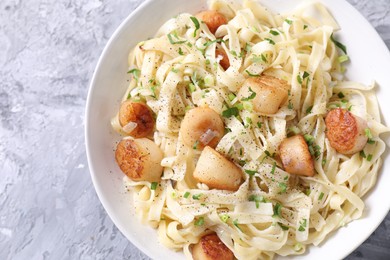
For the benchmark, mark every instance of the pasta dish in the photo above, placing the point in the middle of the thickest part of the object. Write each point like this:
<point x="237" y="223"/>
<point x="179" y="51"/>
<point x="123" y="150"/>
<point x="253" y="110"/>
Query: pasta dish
<point x="242" y="138"/>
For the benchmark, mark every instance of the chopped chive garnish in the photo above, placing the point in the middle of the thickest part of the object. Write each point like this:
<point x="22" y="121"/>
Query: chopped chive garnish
<point x="321" y="196"/>
<point x="270" y="41"/>
<point x="235" y="222"/>
<point x="283" y="187"/>
<point x="273" y="168"/>
<point x="224" y="217"/>
<point x="273" y="32"/>
<point x="257" y="199"/>
<point x="340" y="95"/>
<point x="259" y="124"/>
<point x="208" y="43"/>
<point x="277" y="210"/>
<point x="153" y="186"/>
<point x="135" y="73"/>
<point x="309" y="139"/>
<point x="196" y="196"/>
<point x="251" y="75"/>
<point x="299" y="79"/>
<point x="338" y="44"/>
<point x="199" y="221"/>
<point x="367" y="132"/>
<point x="369" y="157"/>
<point x="290" y="105"/>
<point x="305" y="74"/>
<point x="308" y="110"/>
<point x="231" y="96"/>
<point x="196" y="22"/>
<point x="362" y="154"/>
<point x="250" y="172"/>
<point x="302" y="225"/>
<point x="172" y="41"/>
<point x="283" y="226"/>
<point x="186" y="195"/>
<point x="233" y="111"/>
<point x="370" y="141"/>
<point x="248" y="47"/>
<point x="304" y="27"/>
<point x="288" y="21"/>
<point x="343" y="58"/>
<point x="195" y="146"/>
<point x="181" y="51"/>
<point x="251" y="96"/>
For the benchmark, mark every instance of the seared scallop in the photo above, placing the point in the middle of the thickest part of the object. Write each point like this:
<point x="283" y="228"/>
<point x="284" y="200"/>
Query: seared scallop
<point x="271" y="93"/>
<point x="295" y="155"/>
<point x="140" y="159"/>
<point x="212" y="19"/>
<point x="345" y="131"/>
<point x="202" y="126"/>
<point x="216" y="171"/>
<point x="210" y="247"/>
<point x="136" y="119"/>
<point x="224" y="62"/>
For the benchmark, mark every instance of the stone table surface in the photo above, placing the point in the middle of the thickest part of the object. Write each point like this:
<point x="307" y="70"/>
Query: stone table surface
<point x="48" y="205"/>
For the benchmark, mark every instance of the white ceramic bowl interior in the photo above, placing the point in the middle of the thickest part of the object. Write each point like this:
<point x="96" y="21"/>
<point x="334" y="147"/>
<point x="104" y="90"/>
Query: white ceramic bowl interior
<point x="370" y="60"/>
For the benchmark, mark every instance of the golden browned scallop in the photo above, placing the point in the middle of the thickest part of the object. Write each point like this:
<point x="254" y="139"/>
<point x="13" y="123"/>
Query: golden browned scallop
<point x="212" y="19"/>
<point x="295" y="155"/>
<point x="201" y="126"/>
<point x="140" y="159"/>
<point x="271" y="93"/>
<point x="216" y="171"/>
<point x="210" y="247"/>
<point x="136" y="119"/>
<point x="345" y="131"/>
<point x="225" y="63"/>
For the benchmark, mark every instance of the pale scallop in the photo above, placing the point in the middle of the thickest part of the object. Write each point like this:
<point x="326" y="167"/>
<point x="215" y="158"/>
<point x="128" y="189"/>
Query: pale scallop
<point x="197" y="123"/>
<point x="295" y="155"/>
<point x="216" y="171"/>
<point x="212" y="19"/>
<point x="210" y="247"/>
<point x="345" y="131"/>
<point x="140" y="159"/>
<point x="271" y="93"/>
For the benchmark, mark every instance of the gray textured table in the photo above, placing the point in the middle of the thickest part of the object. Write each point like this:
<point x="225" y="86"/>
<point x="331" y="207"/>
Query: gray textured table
<point x="48" y="206"/>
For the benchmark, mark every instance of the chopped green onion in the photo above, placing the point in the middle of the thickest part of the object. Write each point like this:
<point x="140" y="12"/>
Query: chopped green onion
<point x="273" y="32"/>
<point x="290" y="105"/>
<point x="305" y="74"/>
<point x="283" y="226"/>
<point x="309" y="139"/>
<point x="250" y="172"/>
<point x="308" y="110"/>
<point x="369" y="157"/>
<point x="270" y="41"/>
<point x="135" y="73"/>
<point x="367" y="132"/>
<point x="277" y="210"/>
<point x="340" y="95"/>
<point x="343" y="58"/>
<point x="251" y="96"/>
<point x="338" y="44"/>
<point x="259" y="124"/>
<point x="153" y="186"/>
<point x="199" y="221"/>
<point x="235" y="222"/>
<point x="362" y="154"/>
<point x="196" y="196"/>
<point x="288" y="21"/>
<point x="233" y="111"/>
<point x="273" y="168"/>
<point x="257" y="199"/>
<point x="196" y="22"/>
<point x="180" y="51"/>
<point x="186" y="195"/>
<point x="304" y="27"/>
<point x="321" y="196"/>
<point x="302" y="224"/>
<point x="299" y="79"/>
<point x="172" y="41"/>
<point x="251" y="75"/>
<point x="283" y="187"/>
<point x="231" y="96"/>
<point x="195" y="146"/>
<point x="370" y="141"/>
<point x="224" y="217"/>
<point x="208" y="43"/>
<point x="246" y="105"/>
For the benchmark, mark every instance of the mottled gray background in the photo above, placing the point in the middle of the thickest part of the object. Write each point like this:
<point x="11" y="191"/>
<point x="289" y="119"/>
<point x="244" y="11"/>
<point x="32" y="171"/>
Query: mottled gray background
<point x="48" y="206"/>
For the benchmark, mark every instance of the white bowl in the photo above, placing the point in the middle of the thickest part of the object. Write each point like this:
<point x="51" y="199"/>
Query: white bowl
<point x="370" y="61"/>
